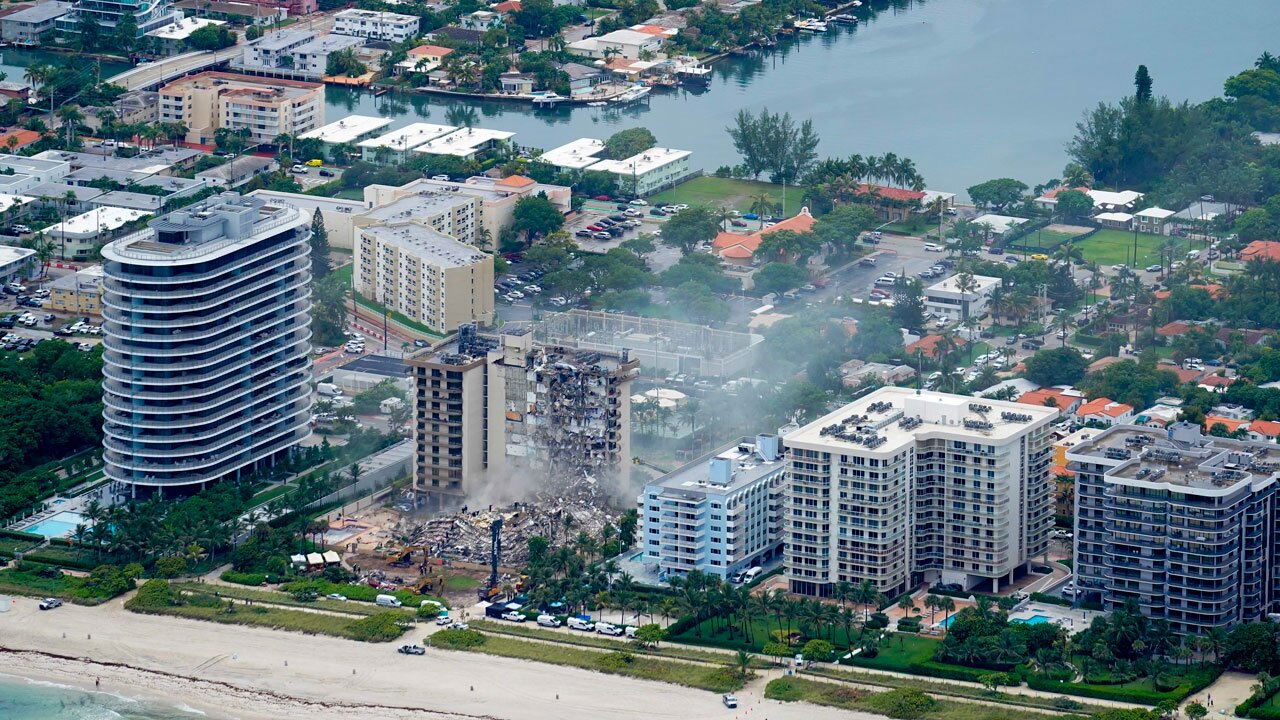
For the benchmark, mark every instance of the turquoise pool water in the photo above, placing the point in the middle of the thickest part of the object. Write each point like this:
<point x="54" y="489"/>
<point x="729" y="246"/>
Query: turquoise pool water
<point x="60" y="525"/>
<point x="948" y="621"/>
<point x="1033" y="620"/>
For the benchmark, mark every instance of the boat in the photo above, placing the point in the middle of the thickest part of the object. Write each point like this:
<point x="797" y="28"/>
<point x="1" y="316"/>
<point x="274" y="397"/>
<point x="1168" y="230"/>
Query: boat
<point x="597" y="103"/>
<point x="845" y="19"/>
<point x="633" y="94"/>
<point x="383" y="90"/>
<point x="810" y="25"/>
<point x="694" y="74"/>
<point x="549" y="98"/>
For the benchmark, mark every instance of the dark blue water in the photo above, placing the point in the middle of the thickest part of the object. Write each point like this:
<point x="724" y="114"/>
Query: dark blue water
<point x="969" y="89"/>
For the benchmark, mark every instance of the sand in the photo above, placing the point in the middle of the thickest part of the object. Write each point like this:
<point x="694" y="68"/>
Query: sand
<point x="246" y="673"/>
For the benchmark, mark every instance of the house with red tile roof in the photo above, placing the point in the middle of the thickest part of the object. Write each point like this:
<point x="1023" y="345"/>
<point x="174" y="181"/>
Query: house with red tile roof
<point x="1106" y="411"/>
<point x="510" y="6"/>
<point x="1174" y="329"/>
<point x="1231" y="424"/>
<point x="1215" y="383"/>
<point x="1185" y="375"/>
<point x="1065" y="399"/>
<point x="1049" y="200"/>
<point x="1264" y="430"/>
<point x="16" y="139"/>
<point x="891" y="203"/>
<point x="928" y="345"/>
<point x="740" y="248"/>
<point x="1261" y="250"/>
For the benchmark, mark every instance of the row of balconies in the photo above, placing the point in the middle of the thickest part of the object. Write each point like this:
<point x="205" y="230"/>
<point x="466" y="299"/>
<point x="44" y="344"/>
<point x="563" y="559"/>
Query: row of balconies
<point x="174" y="475"/>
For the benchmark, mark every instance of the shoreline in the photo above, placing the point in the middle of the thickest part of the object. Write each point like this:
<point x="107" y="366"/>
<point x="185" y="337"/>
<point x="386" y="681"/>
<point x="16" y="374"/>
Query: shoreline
<point x="232" y="672"/>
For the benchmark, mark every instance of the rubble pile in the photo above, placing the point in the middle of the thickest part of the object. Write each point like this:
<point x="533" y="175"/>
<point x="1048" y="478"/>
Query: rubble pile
<point x="558" y="511"/>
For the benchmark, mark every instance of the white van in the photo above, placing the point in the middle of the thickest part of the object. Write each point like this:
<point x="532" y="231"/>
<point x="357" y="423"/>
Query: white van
<point x="550" y="621"/>
<point x="1193" y="255"/>
<point x="387" y="601"/>
<point x="328" y="389"/>
<point x="751" y="574"/>
<point x="576" y="623"/>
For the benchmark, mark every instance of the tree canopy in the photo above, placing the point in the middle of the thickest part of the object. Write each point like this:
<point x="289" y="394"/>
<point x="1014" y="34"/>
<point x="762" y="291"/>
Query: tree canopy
<point x="537" y="216"/>
<point x="774" y="143"/>
<point x="997" y="193"/>
<point x="1056" y="366"/>
<point x="693" y="226"/>
<point x="627" y="143"/>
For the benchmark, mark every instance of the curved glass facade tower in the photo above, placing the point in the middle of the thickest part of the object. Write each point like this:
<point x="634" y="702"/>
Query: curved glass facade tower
<point x="206" y="323"/>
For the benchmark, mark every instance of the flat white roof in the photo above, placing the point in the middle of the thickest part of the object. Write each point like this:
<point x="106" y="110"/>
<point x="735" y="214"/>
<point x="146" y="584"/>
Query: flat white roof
<point x="999" y="223"/>
<point x="464" y="142"/>
<point x="939" y="413"/>
<point x="97" y="220"/>
<point x="7" y="201"/>
<point x="182" y="29"/>
<point x="348" y="129"/>
<point x="1113" y="216"/>
<point x="980" y="284"/>
<point x="576" y="155"/>
<point x="644" y="163"/>
<point x="932" y="195"/>
<point x="386" y="17"/>
<point x="10" y="254"/>
<point x="409" y="136"/>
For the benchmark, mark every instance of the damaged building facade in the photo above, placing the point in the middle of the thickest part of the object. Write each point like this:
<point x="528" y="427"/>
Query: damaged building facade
<point x="491" y="408"/>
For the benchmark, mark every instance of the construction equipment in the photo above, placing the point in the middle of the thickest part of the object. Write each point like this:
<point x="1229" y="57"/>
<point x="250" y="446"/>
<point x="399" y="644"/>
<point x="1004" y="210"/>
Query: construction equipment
<point x="404" y="556"/>
<point x="490" y="591"/>
<point x="429" y="585"/>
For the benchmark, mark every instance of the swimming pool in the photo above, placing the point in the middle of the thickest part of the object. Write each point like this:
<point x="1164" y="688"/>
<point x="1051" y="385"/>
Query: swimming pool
<point x="1033" y="620"/>
<point x="60" y="525"/>
<point x="948" y="621"/>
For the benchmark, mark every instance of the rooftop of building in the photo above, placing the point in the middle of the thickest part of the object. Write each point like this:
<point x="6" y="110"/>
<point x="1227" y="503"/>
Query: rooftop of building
<point x="311" y="203"/>
<point x="97" y="220"/>
<point x="328" y="44"/>
<point x="358" y="14"/>
<point x="148" y="162"/>
<point x="244" y="166"/>
<point x="409" y="136"/>
<point x="577" y="155"/>
<point x="889" y="418"/>
<point x="182" y="29"/>
<point x="981" y="283"/>
<point x="58" y="191"/>
<point x="420" y="204"/>
<point x="267" y="87"/>
<point x="348" y="129"/>
<point x="377" y="365"/>
<point x="1000" y="224"/>
<point x="10" y="254"/>
<point x="463" y="142"/>
<point x="1179" y="456"/>
<point x="43" y="12"/>
<point x="45" y="162"/>
<point x="131" y="200"/>
<point x="88" y="275"/>
<point x="283" y="39"/>
<point x="1103" y="406"/>
<point x="432" y="246"/>
<point x="213" y="225"/>
<point x="643" y="163"/>
<point x="744" y="462"/>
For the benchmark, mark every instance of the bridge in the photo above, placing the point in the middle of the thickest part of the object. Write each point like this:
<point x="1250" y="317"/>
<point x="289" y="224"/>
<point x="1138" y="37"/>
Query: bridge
<point x="149" y="76"/>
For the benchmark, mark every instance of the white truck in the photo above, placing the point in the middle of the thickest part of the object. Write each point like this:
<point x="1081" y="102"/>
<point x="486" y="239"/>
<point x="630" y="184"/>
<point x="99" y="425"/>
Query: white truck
<point x="387" y="601"/>
<point x="328" y="390"/>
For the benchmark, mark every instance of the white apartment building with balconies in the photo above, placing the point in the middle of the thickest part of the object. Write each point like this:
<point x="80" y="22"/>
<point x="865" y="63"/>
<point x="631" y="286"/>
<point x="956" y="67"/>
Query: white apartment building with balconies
<point x="902" y="487"/>
<point x="389" y="26"/>
<point x="207" y="333"/>
<point x="720" y="514"/>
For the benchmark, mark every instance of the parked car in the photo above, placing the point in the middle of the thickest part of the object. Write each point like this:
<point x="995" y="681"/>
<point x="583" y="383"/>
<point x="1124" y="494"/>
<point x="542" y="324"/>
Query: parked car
<point x="513" y="616"/>
<point x="298" y="169"/>
<point x="605" y="628"/>
<point x="50" y="603"/>
<point x="411" y="650"/>
<point x="638" y="201"/>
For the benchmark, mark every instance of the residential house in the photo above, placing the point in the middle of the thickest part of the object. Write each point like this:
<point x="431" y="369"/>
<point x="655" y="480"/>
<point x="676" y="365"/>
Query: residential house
<point x="1115" y="220"/>
<point x="1229" y="425"/>
<point x="891" y="203"/>
<point x="483" y="20"/>
<point x="312" y="59"/>
<point x="1066" y="399"/>
<point x="1107" y="201"/>
<point x="932" y="347"/>
<point x="998" y="226"/>
<point x="25" y="26"/>
<point x="855" y="372"/>
<point x="1264" y="431"/>
<point x="132" y="108"/>
<point x="1049" y="200"/>
<point x="20" y="91"/>
<point x="1261" y="250"/>
<point x="423" y="58"/>
<point x="1105" y="411"/>
<point x="1152" y="220"/>
<point x="627" y="44"/>
<point x="172" y="39"/>
<point x="582" y="77"/>
<point x="1215" y="383"/>
<point x="517" y="83"/>
<point x="740" y="249"/>
<point x="274" y="49"/>
<point x="15" y="139"/>
<point x="459" y="34"/>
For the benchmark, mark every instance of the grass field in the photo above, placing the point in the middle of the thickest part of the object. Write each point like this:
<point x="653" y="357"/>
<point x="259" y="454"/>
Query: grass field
<point x="716" y="679"/>
<point x="901" y="652"/>
<point x="279" y="598"/>
<point x="667" y="650"/>
<point x="1114" y="247"/>
<point x="938" y="687"/>
<point x="458" y="583"/>
<point x="728" y="193"/>
<point x="761" y="632"/>
<point x="796" y="689"/>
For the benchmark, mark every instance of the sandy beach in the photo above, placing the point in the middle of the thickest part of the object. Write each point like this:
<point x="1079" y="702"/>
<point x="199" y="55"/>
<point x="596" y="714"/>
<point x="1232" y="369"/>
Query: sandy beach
<point x="253" y="674"/>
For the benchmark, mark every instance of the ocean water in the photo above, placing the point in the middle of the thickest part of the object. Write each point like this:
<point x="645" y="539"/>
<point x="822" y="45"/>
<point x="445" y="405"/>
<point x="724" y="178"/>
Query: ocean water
<point x="26" y="700"/>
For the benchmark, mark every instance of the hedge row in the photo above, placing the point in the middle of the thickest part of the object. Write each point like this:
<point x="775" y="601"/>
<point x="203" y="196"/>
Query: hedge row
<point x="1050" y="599"/>
<point x="17" y="535"/>
<point x="1122" y="694"/>
<point x="52" y="556"/>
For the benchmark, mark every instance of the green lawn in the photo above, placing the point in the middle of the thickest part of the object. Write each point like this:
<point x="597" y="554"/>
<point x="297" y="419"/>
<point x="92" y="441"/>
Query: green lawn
<point x="728" y="193"/>
<point x="925" y="707"/>
<point x="1109" y="247"/>
<point x="901" y="652"/>
<point x="726" y="635"/>
<point x="458" y="583"/>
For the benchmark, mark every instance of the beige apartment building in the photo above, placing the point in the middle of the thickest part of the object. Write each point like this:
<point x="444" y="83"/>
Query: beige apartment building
<point x="424" y="274"/>
<point x="79" y="293"/>
<point x="266" y="107"/>
<point x="902" y="487"/>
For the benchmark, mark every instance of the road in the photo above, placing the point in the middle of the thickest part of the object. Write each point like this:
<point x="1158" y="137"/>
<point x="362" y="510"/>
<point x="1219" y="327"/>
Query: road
<point x="155" y="73"/>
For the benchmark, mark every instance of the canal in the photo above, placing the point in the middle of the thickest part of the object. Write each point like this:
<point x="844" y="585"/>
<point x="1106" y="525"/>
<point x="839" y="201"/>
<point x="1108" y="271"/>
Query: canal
<point x="969" y="89"/>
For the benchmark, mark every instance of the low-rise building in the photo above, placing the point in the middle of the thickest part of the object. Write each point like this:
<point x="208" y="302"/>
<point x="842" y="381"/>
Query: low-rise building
<point x="80" y="236"/>
<point x="947" y="299"/>
<point x="388" y="26"/>
<point x="78" y="293"/>
<point x="266" y="107"/>
<point x="16" y="262"/>
<point x="347" y="131"/>
<point x="497" y="198"/>
<point x="1152" y="220"/>
<point x="231" y="175"/>
<point x="312" y="58"/>
<point x="1115" y="220"/>
<point x="650" y="171"/>
<point x="172" y="39"/>
<point x="423" y="59"/>
<point x="628" y="44"/>
<point x="25" y="26"/>
<point x="394" y="147"/>
<point x="131" y="108"/>
<point x="448" y="213"/>
<point x="891" y="203"/>
<point x="274" y="49"/>
<point x="424" y="274"/>
<point x="997" y="226"/>
<point x="720" y="514"/>
<point x="577" y="155"/>
<point x="1065" y="399"/>
<point x="466" y="143"/>
<point x="740" y="248"/>
<point x="1105" y="412"/>
<point x="855" y="372"/>
<point x="482" y="20"/>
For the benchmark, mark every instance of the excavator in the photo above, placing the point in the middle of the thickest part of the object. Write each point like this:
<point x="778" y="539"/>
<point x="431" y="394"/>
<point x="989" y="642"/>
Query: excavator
<point x="404" y="556"/>
<point x="491" y="590"/>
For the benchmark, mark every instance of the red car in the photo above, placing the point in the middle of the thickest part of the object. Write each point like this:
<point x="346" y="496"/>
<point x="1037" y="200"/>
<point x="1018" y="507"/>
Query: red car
<point x="595" y="228"/>
<point x="604" y="198"/>
<point x="738" y="223"/>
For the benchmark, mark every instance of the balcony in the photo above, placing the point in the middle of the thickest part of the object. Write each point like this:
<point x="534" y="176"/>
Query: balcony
<point x="286" y="408"/>
<point x="270" y="273"/>
<point x="294" y="331"/>
<point x="226" y="374"/>
<point x="189" y="342"/>
<point x="146" y="474"/>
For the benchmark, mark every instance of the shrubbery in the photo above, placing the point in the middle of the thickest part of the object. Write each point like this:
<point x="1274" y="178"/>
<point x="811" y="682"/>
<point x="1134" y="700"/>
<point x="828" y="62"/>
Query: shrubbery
<point x="903" y="703"/>
<point x="452" y="638"/>
<point x="382" y="627"/>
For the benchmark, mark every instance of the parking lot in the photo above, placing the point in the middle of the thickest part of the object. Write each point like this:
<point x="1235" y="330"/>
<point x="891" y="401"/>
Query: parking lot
<point x="310" y="177"/>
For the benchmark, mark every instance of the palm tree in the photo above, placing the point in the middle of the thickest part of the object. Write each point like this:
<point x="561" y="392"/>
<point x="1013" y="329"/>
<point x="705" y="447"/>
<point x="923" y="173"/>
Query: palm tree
<point x="932" y="603"/>
<point x="947" y="605"/>
<point x="742" y="663"/>
<point x="906" y="605"/>
<point x="1063" y="323"/>
<point x="355" y="472"/>
<point x="762" y="205"/>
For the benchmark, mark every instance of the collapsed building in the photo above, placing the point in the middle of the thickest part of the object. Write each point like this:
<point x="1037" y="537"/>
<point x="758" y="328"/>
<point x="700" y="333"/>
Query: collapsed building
<point x="494" y="416"/>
